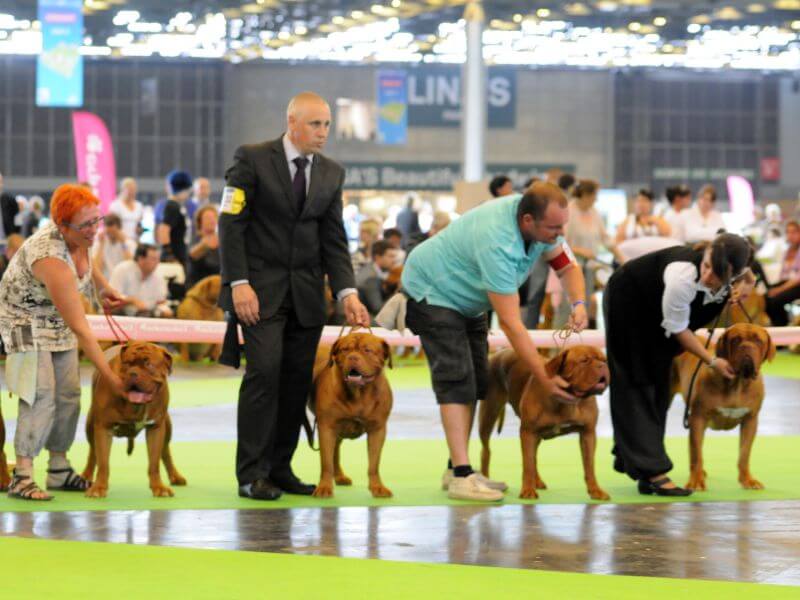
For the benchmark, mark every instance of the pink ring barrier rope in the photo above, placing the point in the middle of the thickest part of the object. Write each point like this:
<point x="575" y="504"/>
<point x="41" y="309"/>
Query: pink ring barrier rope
<point x="212" y="332"/>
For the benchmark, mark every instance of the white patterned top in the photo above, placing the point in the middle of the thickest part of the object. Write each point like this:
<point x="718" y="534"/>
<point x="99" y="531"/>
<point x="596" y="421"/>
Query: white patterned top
<point x="28" y="318"/>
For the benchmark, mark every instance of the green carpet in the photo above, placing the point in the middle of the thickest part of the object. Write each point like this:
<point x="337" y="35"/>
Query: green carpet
<point x="785" y="364"/>
<point x="189" y="393"/>
<point x="42" y="568"/>
<point x="412" y="468"/>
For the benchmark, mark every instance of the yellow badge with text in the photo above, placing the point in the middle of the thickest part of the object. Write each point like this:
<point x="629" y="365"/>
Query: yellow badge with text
<point x="232" y="200"/>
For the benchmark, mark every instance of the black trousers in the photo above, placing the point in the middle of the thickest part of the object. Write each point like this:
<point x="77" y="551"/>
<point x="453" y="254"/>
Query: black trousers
<point x="272" y="398"/>
<point x="638" y="412"/>
<point x="776" y="306"/>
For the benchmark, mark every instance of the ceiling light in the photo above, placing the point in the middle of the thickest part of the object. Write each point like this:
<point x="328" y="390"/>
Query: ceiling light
<point x="634" y="26"/>
<point x="396" y="3"/>
<point x="543" y="13"/>
<point x="756" y="8"/>
<point x="787" y="4"/>
<point x="659" y="21"/>
<point x="667" y="48"/>
<point x="694" y="28"/>
<point x="337" y="20"/>
<point x="606" y="6"/>
<point x="728" y="13"/>
<point x="517" y="18"/>
<point x="795" y="24"/>
<point x="357" y="14"/>
<point x="578" y="9"/>
<point x="300" y="30"/>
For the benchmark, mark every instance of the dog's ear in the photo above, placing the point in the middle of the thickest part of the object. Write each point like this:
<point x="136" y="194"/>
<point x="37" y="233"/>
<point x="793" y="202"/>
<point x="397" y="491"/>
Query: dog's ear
<point x="168" y="359"/>
<point x="769" y="347"/>
<point x="724" y="346"/>
<point x="387" y="353"/>
<point x="334" y="350"/>
<point x="555" y="365"/>
<point x="122" y="350"/>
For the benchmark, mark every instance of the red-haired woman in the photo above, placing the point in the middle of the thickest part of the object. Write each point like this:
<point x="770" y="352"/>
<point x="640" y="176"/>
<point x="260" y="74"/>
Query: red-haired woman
<point x="42" y="323"/>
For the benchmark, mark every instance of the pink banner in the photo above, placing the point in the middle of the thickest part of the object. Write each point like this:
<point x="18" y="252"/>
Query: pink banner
<point x="94" y="155"/>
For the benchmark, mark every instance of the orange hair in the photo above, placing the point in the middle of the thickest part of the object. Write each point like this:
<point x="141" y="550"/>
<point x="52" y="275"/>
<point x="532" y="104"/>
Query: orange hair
<point x="68" y="199"/>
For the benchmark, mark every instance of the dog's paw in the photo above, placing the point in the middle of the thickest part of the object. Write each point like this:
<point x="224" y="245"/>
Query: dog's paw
<point x="380" y="491"/>
<point x="751" y="483"/>
<point x="177" y="479"/>
<point x="343" y="480"/>
<point x="540" y="485"/>
<point x="528" y="493"/>
<point x="696" y="482"/>
<point x="599" y="493"/>
<point x="88" y="475"/>
<point x="323" y="490"/>
<point x="97" y="491"/>
<point x="162" y="491"/>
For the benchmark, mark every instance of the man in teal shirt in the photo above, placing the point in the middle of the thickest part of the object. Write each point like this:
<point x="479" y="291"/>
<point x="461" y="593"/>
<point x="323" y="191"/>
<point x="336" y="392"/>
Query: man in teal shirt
<point x="453" y="278"/>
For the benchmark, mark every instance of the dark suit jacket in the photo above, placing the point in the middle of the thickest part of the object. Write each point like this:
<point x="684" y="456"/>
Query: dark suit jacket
<point x="274" y="246"/>
<point x="10" y="209"/>
<point x="407" y="223"/>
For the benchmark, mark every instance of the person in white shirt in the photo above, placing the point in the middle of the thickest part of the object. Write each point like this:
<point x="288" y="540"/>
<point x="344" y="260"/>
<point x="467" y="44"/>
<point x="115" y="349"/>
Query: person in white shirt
<point x="641" y="222"/>
<point x="652" y="306"/>
<point x="145" y="291"/>
<point x="679" y="198"/>
<point x="111" y="246"/>
<point x="129" y="209"/>
<point x="702" y="222"/>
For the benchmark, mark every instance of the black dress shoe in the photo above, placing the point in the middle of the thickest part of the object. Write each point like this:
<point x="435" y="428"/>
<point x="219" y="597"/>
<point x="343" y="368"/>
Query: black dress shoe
<point x="647" y="487"/>
<point x="260" y="489"/>
<point x="292" y="485"/>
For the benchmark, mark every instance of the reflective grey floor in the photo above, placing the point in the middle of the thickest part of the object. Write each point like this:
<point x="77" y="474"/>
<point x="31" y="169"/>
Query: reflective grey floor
<point x="751" y="542"/>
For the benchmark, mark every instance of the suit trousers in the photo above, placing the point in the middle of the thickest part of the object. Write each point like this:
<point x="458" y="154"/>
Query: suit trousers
<point x="280" y="356"/>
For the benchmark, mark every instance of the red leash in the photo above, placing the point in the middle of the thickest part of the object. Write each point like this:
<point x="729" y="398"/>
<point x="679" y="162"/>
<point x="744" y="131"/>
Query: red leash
<point x="116" y="327"/>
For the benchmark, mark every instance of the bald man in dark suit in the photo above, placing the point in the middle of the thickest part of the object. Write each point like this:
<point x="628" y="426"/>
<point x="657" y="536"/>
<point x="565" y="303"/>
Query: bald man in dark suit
<point x="281" y="233"/>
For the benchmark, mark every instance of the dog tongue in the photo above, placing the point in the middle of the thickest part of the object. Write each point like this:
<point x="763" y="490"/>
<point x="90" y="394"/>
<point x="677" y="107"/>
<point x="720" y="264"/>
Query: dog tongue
<point x="139" y="397"/>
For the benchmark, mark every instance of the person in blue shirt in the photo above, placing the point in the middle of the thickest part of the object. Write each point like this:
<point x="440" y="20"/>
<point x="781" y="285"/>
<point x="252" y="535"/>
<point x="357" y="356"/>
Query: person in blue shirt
<point x="454" y="278"/>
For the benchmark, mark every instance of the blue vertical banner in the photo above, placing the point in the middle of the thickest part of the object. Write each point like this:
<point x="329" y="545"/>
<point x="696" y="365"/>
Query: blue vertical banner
<point x="59" y="67"/>
<point x="392" y="107"/>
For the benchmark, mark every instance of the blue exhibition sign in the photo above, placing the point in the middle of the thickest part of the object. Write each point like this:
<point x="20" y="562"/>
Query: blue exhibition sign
<point x="392" y="108"/>
<point x="434" y="97"/>
<point x="59" y="68"/>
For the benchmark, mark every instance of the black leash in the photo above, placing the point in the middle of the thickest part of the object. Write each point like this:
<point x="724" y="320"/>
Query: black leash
<point x="687" y="409"/>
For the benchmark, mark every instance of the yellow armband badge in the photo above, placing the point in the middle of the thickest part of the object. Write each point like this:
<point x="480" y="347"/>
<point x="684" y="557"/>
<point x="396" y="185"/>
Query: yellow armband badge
<point x="232" y="200"/>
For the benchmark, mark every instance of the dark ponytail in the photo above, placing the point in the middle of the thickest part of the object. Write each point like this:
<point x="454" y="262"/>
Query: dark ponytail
<point x="730" y="255"/>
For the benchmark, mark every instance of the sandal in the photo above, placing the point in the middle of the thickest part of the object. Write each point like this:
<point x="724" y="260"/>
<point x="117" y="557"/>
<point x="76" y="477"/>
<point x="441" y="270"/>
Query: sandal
<point x="25" y="491"/>
<point x="72" y="481"/>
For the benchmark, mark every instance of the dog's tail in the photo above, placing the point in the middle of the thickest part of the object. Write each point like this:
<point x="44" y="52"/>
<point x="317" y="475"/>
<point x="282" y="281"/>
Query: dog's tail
<point x="130" y="446"/>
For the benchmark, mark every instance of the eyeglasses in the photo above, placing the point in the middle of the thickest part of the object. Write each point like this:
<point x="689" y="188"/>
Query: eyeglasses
<point x="86" y="225"/>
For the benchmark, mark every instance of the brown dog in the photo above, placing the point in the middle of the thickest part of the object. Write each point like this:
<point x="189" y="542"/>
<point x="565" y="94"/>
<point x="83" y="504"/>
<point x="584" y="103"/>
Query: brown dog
<point x="542" y="417"/>
<point x="5" y="478"/>
<point x="200" y="304"/>
<point x="143" y="368"/>
<point x="351" y="396"/>
<point x="720" y="403"/>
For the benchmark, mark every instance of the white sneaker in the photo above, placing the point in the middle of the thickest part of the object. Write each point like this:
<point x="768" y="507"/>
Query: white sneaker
<point x="471" y="488"/>
<point x="448" y="476"/>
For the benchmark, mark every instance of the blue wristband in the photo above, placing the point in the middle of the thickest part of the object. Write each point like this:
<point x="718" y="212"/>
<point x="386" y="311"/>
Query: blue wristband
<point x="574" y="304"/>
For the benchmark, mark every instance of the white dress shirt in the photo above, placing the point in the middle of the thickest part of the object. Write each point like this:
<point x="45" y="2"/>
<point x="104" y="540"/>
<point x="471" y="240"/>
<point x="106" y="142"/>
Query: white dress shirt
<point x="680" y="289"/>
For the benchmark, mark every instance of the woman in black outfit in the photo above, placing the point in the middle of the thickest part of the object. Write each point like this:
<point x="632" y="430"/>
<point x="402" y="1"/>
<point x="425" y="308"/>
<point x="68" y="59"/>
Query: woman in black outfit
<point x="652" y="306"/>
<point x="204" y="255"/>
